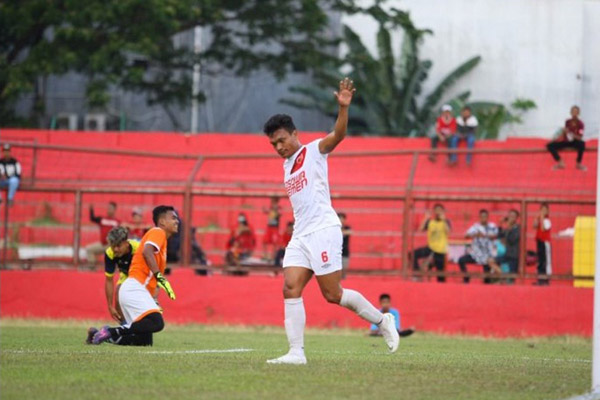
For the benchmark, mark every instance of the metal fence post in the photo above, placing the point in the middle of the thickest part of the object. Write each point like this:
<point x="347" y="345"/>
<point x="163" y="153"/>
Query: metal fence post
<point x="406" y="213"/>
<point x="523" y="240"/>
<point x="77" y="228"/>
<point x="187" y="213"/>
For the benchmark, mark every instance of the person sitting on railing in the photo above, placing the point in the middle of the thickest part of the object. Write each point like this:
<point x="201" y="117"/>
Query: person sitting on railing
<point x="483" y="233"/>
<point x="244" y="234"/>
<point x="438" y="229"/>
<point x="106" y="224"/>
<point x="511" y="236"/>
<point x="10" y="174"/>
<point x="571" y="136"/>
<point x="445" y="128"/>
<point x="466" y="124"/>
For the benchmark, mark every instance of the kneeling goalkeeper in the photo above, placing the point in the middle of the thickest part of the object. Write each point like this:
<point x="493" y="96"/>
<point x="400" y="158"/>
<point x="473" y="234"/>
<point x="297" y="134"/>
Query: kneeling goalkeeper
<point x="142" y="315"/>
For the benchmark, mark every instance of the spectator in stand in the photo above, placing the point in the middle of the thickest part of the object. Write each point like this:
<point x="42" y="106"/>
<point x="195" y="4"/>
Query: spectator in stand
<point x="466" y="125"/>
<point x="137" y="227"/>
<point x="10" y="174"/>
<point x="285" y="238"/>
<point x="571" y="136"/>
<point x="244" y="235"/>
<point x="483" y="234"/>
<point x="385" y="306"/>
<point x="543" y="225"/>
<point x="438" y="229"/>
<point x="106" y="224"/>
<point x="445" y="128"/>
<point x="346" y="232"/>
<point x="271" y="238"/>
<point x="233" y="257"/>
<point x="511" y="237"/>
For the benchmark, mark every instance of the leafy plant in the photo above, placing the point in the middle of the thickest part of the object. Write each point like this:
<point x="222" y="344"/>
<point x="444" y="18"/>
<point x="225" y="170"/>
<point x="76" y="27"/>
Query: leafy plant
<point x="389" y="100"/>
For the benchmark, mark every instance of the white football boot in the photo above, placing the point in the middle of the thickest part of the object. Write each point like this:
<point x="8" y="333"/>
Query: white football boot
<point x="389" y="332"/>
<point x="293" y="358"/>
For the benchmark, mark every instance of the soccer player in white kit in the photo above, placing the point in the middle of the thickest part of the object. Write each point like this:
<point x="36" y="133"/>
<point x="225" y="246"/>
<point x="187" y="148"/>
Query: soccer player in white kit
<point x="316" y="244"/>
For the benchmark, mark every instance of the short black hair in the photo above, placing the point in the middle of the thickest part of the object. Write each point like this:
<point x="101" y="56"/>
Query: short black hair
<point x="440" y="205"/>
<point x="484" y="211"/>
<point x="279" y="121"/>
<point x="159" y="211"/>
<point x="384" y="296"/>
<point x="112" y="203"/>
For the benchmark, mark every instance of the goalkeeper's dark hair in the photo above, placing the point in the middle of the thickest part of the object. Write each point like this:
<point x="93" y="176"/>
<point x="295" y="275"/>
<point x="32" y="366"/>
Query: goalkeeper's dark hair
<point x="159" y="212"/>
<point x="117" y="235"/>
<point x="279" y="121"/>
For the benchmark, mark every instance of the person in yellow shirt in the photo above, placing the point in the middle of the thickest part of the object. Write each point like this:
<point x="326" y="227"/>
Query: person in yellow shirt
<point x="438" y="229"/>
<point x="141" y="313"/>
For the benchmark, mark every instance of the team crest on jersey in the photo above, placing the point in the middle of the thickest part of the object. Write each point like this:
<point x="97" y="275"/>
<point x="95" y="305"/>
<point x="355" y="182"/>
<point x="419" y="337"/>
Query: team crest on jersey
<point x="299" y="161"/>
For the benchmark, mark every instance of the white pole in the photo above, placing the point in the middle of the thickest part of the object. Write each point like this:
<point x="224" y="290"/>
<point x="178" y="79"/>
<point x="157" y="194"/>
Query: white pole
<point x="596" y="327"/>
<point x="196" y="80"/>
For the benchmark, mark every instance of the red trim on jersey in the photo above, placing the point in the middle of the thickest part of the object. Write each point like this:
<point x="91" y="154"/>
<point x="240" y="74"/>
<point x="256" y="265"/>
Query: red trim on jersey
<point x="299" y="161"/>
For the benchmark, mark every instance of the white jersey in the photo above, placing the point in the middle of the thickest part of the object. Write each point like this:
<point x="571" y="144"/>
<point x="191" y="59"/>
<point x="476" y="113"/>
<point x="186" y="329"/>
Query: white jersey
<point x="307" y="185"/>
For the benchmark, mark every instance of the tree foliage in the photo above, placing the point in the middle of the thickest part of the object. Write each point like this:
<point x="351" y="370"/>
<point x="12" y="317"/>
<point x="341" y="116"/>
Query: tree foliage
<point x="129" y="43"/>
<point x="389" y="100"/>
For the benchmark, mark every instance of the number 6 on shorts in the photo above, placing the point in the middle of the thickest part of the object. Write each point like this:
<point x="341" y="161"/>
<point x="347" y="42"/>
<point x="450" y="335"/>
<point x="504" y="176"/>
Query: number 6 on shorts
<point x="324" y="256"/>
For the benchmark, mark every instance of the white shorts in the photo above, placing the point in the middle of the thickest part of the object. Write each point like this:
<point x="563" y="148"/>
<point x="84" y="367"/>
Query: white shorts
<point x="320" y="251"/>
<point x="135" y="301"/>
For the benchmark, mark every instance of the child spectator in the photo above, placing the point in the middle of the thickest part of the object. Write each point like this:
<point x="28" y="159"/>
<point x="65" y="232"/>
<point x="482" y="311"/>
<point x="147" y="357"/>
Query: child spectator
<point x="511" y="236"/>
<point x="271" y="238"/>
<point x="137" y="227"/>
<point x="571" y="136"/>
<point x="445" y="128"/>
<point x="482" y="247"/>
<point x="10" y="174"/>
<point x="385" y="306"/>
<point x="438" y="229"/>
<point x="286" y="236"/>
<point x="105" y="224"/>
<point x="542" y="225"/>
<point x="466" y="124"/>
<point x="244" y="235"/>
<point x="346" y="232"/>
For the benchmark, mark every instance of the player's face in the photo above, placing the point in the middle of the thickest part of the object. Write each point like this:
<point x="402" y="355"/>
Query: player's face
<point x="171" y="222"/>
<point x="285" y="143"/>
<point x="121" y="249"/>
<point x="574" y="111"/>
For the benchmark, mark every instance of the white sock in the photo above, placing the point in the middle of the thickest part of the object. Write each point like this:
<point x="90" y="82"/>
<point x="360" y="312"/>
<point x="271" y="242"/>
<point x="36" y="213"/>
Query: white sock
<point x="356" y="302"/>
<point x="295" y="319"/>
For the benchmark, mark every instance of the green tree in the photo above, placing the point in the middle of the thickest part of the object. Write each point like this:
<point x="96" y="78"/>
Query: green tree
<point x="129" y="44"/>
<point x="389" y="99"/>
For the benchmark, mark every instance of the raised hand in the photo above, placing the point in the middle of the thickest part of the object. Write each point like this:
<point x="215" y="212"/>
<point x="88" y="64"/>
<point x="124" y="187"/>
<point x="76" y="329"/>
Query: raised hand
<point x="345" y="93"/>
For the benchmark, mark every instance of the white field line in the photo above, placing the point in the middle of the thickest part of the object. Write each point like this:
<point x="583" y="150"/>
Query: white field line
<point x="204" y="351"/>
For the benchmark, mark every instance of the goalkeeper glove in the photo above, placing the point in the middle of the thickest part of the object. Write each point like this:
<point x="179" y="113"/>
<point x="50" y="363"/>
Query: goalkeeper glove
<point x="164" y="284"/>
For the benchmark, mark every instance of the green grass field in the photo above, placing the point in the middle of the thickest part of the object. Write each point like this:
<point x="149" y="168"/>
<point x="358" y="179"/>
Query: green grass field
<point x="48" y="360"/>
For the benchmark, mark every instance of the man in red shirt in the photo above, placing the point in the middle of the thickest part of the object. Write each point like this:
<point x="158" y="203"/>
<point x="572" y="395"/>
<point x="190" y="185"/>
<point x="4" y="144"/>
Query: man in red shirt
<point x="571" y="136"/>
<point x="106" y="224"/>
<point x="445" y="129"/>
<point x="244" y="235"/>
<point x="543" y="227"/>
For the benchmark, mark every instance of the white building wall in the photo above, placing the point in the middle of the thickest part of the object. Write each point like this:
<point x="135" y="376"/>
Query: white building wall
<point x="546" y="50"/>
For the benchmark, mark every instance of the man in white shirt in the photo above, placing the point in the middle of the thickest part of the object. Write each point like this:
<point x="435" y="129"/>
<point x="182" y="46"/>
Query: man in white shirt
<point x="466" y="127"/>
<point x="316" y="244"/>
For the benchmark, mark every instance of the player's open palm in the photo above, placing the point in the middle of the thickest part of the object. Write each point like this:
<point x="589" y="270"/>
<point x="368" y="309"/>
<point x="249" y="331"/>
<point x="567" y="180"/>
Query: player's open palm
<point x="344" y="95"/>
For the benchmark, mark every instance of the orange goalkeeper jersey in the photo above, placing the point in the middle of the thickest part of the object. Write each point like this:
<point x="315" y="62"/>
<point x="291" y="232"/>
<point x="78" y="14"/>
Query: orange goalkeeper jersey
<point x="139" y="269"/>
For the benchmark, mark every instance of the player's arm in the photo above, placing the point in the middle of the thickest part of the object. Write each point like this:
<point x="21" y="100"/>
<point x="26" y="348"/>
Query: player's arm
<point x="344" y="98"/>
<point x="148" y="253"/>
